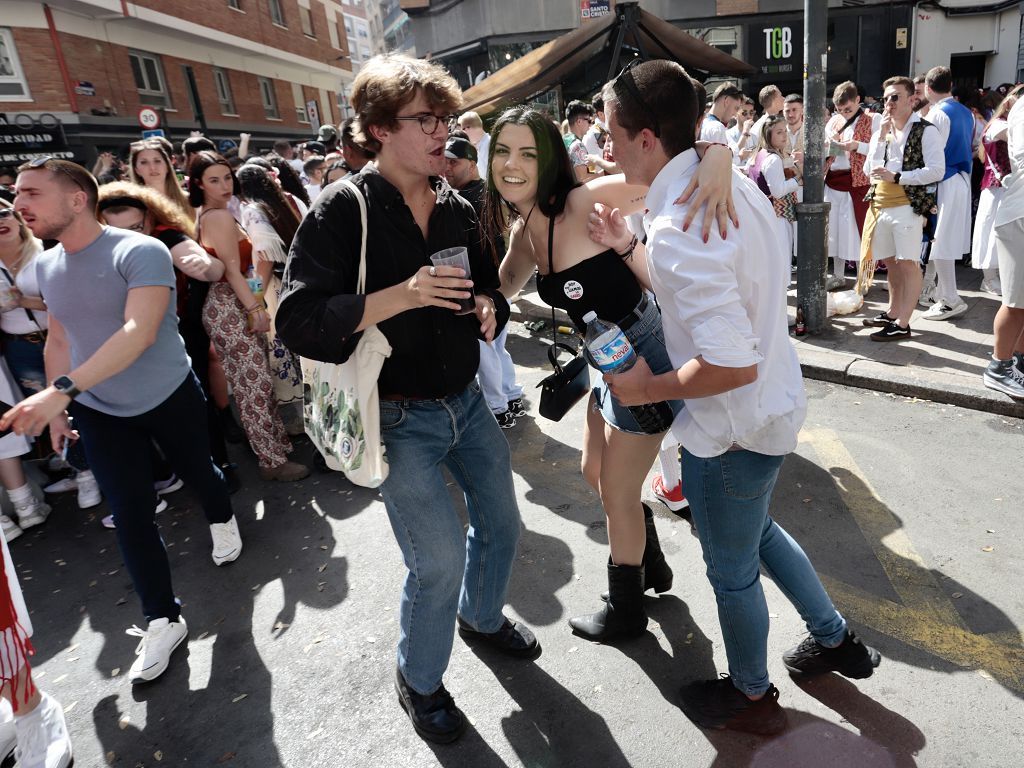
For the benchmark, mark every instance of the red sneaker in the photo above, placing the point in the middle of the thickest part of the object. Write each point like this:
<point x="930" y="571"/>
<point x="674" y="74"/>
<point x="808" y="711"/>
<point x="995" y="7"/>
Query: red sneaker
<point x="672" y="499"/>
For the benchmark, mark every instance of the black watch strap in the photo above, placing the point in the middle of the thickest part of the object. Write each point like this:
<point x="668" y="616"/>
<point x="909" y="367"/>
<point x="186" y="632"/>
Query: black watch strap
<point x="66" y="386"/>
<point x="896" y="177"/>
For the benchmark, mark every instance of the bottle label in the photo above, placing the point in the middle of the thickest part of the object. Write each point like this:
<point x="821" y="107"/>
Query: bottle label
<point x="611" y="355"/>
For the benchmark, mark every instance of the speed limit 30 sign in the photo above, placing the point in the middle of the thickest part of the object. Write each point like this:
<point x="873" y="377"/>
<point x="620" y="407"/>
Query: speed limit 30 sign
<point x="149" y="118"/>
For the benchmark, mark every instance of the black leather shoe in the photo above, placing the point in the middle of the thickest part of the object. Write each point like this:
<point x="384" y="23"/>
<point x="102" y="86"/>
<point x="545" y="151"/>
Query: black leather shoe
<point x="512" y="639"/>
<point x="434" y="715"/>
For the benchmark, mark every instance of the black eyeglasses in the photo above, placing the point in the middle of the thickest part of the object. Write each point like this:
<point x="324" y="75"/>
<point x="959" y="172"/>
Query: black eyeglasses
<point x="627" y="80"/>
<point x="429" y="123"/>
<point x="41" y="162"/>
<point x="892" y="97"/>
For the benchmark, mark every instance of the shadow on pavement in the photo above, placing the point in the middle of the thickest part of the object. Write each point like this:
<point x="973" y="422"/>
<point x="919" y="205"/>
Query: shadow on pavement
<point x="933" y="632"/>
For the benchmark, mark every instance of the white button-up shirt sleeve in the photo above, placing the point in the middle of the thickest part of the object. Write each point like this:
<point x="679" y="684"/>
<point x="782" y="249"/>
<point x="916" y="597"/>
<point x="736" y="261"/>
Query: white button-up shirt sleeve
<point x="705" y="298"/>
<point x="940" y="120"/>
<point x="774" y="172"/>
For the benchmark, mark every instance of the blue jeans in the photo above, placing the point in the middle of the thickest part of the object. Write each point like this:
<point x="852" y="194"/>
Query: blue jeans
<point x="120" y="454"/>
<point x="25" y="359"/>
<point x="447" y="570"/>
<point x="729" y="497"/>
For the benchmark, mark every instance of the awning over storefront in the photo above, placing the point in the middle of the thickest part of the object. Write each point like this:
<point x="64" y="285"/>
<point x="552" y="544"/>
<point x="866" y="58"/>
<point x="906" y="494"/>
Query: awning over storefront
<point x="555" y="62"/>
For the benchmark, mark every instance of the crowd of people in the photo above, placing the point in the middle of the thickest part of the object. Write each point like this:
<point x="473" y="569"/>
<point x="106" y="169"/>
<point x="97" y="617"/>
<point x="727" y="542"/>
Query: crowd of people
<point x="217" y="271"/>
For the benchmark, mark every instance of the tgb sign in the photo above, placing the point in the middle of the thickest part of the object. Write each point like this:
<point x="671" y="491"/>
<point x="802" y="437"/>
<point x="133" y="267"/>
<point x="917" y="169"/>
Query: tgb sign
<point x="775" y="50"/>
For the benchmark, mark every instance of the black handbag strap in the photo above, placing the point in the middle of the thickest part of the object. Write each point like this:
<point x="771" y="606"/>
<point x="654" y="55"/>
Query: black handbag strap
<point x="553" y="354"/>
<point x="551" y="271"/>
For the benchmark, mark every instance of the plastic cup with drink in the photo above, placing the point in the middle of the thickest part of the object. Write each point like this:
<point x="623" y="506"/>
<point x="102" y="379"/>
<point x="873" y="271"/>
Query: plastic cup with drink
<point x="457" y="257"/>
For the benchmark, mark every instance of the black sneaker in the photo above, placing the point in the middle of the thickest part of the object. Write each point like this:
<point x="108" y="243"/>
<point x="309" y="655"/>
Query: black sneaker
<point x="891" y="332"/>
<point x="517" y="407"/>
<point x="434" y="716"/>
<point x="880" y="320"/>
<point x="1006" y="378"/>
<point x="719" y="705"/>
<point x="851" y="658"/>
<point x="505" y="419"/>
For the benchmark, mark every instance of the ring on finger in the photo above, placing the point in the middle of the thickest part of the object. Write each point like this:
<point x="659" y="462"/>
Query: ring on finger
<point x="433" y="271"/>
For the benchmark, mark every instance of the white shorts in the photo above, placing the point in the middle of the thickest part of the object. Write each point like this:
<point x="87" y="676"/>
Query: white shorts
<point x="897" y="235"/>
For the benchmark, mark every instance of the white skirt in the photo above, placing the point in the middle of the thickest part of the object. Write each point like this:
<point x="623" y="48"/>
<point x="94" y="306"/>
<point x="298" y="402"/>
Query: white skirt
<point x="8" y="638"/>
<point x="843" y="237"/>
<point x="983" y="247"/>
<point x="953" y="227"/>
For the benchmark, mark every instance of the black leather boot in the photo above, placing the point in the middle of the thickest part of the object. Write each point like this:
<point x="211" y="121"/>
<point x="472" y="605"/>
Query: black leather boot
<point x="657" y="573"/>
<point x="623" y="615"/>
<point x="434" y="715"/>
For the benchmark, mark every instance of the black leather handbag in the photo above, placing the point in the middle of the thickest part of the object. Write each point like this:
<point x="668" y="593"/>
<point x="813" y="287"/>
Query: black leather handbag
<point x="569" y="384"/>
<point x="566" y="386"/>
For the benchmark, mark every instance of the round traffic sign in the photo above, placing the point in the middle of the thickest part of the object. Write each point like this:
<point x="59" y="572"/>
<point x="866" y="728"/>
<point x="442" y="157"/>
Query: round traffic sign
<point x="149" y="118"/>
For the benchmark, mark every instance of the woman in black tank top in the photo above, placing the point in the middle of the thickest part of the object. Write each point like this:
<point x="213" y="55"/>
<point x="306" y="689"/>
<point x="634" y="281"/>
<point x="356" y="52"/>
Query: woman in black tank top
<point x="530" y="183"/>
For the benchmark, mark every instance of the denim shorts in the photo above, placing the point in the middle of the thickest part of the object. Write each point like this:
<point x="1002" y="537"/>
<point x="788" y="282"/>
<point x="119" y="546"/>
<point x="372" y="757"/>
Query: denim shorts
<point x="648" y="340"/>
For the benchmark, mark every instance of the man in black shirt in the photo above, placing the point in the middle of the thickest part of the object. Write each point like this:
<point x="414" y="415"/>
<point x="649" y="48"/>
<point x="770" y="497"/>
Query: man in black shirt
<point x="462" y="172"/>
<point x="432" y="412"/>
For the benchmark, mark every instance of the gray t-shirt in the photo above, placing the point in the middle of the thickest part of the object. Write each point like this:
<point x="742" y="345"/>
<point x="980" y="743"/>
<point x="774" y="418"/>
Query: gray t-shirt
<point x="86" y="291"/>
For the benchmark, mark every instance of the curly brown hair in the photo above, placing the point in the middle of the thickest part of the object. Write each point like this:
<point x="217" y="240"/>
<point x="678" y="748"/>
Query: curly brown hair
<point x="387" y="83"/>
<point x="165" y="212"/>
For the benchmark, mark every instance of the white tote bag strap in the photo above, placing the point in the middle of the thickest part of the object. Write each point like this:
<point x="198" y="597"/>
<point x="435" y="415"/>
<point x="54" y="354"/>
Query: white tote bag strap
<point x="361" y="285"/>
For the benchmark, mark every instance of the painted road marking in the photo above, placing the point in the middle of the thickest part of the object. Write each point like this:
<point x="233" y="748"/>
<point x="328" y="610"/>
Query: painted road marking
<point x="925" y="618"/>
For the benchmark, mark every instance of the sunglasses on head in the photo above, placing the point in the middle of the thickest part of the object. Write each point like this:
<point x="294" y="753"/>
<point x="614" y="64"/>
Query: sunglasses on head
<point x="626" y="78"/>
<point x="41" y="162"/>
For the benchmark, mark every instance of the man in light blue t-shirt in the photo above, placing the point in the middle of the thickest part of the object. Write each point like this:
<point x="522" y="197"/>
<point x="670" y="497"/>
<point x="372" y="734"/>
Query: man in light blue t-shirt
<point x="116" y="362"/>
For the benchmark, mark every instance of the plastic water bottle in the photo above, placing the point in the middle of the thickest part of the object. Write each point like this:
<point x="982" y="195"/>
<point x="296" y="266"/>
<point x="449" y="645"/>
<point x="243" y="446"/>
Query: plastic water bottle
<point x="611" y="351"/>
<point x="608" y="345"/>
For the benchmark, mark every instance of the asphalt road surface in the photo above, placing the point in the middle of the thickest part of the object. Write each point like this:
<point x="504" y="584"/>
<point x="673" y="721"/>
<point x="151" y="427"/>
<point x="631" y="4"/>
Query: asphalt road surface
<point x="910" y="511"/>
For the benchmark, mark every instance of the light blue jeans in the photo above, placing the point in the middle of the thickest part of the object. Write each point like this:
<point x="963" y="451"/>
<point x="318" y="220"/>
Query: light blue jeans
<point x="448" y="570"/>
<point x="729" y="497"/>
<point x="497" y="374"/>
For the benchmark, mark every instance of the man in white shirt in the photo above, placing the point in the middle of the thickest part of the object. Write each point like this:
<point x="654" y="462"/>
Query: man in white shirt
<point x="772" y="102"/>
<point x="1005" y="372"/>
<point x="590" y="137"/>
<point x="471" y="123"/>
<point x="741" y="138"/>
<point x="905" y="162"/>
<point x="313" y="169"/>
<point x="725" y="104"/>
<point x="723" y="306"/>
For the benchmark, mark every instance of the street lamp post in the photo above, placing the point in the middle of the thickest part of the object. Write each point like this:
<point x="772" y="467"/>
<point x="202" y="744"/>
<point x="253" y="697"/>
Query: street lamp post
<point x="812" y="213"/>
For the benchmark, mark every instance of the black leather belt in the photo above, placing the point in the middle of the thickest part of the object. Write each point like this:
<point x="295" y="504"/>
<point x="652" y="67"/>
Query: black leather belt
<point x="36" y="337"/>
<point x="636" y="314"/>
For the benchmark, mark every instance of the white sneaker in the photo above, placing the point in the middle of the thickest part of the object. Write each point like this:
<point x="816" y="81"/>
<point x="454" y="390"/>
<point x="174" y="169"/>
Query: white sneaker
<point x="170" y="485"/>
<point x="8" y="732"/>
<point x="64" y="485"/>
<point x="108" y="521"/>
<point x="88" y="490"/>
<point x="43" y="740"/>
<point x="927" y="297"/>
<point x="34" y="513"/>
<point x="942" y="311"/>
<point x="992" y="286"/>
<point x="155" y="648"/>
<point x="11" y="529"/>
<point x="227" y="542"/>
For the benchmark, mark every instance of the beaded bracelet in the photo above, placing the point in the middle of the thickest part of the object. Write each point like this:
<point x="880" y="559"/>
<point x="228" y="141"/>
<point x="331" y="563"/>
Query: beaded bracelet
<point x="629" y="250"/>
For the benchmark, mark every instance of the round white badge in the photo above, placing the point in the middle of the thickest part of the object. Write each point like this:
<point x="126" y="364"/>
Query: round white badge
<point x="573" y="290"/>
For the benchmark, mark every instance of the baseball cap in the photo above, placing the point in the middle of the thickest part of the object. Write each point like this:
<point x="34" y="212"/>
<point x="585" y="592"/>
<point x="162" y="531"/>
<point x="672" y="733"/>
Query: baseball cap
<point x="327" y="133"/>
<point x="316" y="146"/>
<point x="460" y="149"/>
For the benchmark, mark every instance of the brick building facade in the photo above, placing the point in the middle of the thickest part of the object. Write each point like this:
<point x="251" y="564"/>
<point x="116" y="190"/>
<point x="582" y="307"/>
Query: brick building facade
<point x="272" y="68"/>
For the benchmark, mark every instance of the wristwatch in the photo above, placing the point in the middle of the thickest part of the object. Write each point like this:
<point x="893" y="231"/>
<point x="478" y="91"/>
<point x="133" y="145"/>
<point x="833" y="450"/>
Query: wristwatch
<point x="66" y="386"/>
<point x="896" y="178"/>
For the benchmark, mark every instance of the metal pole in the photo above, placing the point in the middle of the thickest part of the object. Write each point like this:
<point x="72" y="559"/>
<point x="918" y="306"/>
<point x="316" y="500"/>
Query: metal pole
<point x="812" y="213"/>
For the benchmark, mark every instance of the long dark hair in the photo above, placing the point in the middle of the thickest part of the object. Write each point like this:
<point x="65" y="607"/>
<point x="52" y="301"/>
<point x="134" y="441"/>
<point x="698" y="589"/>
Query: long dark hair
<point x="290" y="181"/>
<point x="200" y="162"/>
<point x="258" y="187"/>
<point x="555" y="177"/>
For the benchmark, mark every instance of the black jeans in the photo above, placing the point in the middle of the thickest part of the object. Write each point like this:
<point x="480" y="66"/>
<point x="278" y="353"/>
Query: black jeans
<point x="118" y="449"/>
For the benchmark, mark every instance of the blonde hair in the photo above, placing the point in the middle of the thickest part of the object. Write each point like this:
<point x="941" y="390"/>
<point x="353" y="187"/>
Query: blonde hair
<point x="470" y="120"/>
<point x="764" y="140"/>
<point x="31" y="246"/>
<point x="387" y="83"/>
<point x="165" y="213"/>
<point x="172" y="190"/>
